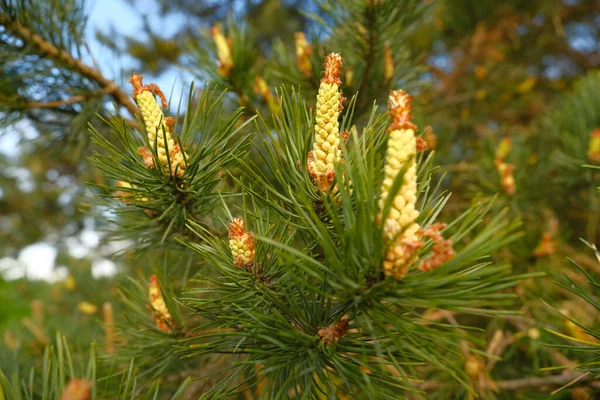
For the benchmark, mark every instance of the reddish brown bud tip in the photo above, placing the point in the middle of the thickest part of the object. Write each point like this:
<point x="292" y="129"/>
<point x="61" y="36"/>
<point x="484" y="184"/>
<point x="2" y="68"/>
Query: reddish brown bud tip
<point x="139" y="87"/>
<point x="421" y="144"/>
<point x="146" y="156"/>
<point x="334" y="332"/>
<point x="300" y="36"/>
<point x="333" y="67"/>
<point x="170" y="122"/>
<point x="400" y="110"/>
<point x="442" y="248"/>
<point x="237" y="228"/>
<point x="136" y="82"/>
<point x="77" y="389"/>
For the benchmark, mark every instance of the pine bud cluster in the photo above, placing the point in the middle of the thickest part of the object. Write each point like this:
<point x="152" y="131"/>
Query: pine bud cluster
<point x="593" y="152"/>
<point x="223" y="52"/>
<point x="334" y="332"/>
<point x="262" y="89"/>
<point x="326" y="148"/>
<point x="158" y="308"/>
<point x="77" y="389"/>
<point x="241" y="244"/>
<point x="401" y="232"/>
<point x="303" y="52"/>
<point x="159" y="129"/>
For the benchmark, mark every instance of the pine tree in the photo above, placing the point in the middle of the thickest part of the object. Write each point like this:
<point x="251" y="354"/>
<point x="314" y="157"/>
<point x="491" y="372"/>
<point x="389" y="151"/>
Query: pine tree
<point x="289" y="233"/>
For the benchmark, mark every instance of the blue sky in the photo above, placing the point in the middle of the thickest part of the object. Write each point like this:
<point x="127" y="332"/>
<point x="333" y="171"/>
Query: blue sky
<point x="126" y="20"/>
<point x="37" y="261"/>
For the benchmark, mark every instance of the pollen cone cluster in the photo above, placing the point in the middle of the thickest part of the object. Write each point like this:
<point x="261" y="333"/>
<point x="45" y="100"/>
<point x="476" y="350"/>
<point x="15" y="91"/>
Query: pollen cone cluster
<point x="77" y="389"/>
<point x="159" y="129"/>
<point x="160" y="313"/>
<point x="442" y="248"/>
<point x="223" y="52"/>
<point x="241" y="244"/>
<point x="303" y="52"/>
<point x="388" y="67"/>
<point x="334" y="332"/>
<point x="400" y="228"/>
<point x="505" y="170"/>
<point x="262" y="89"/>
<point x="326" y="148"/>
<point x="593" y="152"/>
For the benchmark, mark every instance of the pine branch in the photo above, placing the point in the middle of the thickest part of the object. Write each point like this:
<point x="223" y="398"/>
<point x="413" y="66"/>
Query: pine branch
<point x="57" y="103"/>
<point x="62" y="55"/>
<point x="525" y="383"/>
<point x="563" y="379"/>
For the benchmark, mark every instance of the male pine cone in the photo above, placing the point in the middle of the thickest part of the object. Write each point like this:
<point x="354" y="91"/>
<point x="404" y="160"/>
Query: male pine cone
<point x="159" y="129"/>
<point x="400" y="228"/>
<point x="326" y="148"/>
<point x="241" y="244"/>
<point x="160" y="313"/>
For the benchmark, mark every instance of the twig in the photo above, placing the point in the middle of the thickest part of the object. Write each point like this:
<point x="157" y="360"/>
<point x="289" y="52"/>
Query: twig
<point x="517" y="384"/>
<point x="44" y="46"/>
<point x="580" y="377"/>
<point x="524" y="323"/>
<point x="57" y="103"/>
<point x="109" y="327"/>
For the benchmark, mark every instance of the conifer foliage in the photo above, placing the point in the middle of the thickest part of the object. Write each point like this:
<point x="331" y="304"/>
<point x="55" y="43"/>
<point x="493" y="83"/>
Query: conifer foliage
<point x="285" y="231"/>
<point x="337" y="305"/>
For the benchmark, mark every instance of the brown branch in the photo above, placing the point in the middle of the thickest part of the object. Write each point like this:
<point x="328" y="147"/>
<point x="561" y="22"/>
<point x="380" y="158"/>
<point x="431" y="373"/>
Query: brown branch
<point x="517" y="384"/>
<point x="524" y="383"/>
<point x="55" y="103"/>
<point x="44" y="46"/>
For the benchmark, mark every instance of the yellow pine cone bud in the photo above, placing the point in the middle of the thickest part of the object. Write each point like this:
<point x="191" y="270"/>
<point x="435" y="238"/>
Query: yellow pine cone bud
<point x="70" y="283"/>
<point x="430" y="138"/>
<point x="326" y="148"/>
<point x="442" y="248"/>
<point x="474" y="365"/>
<point x="400" y="228"/>
<point x="504" y="148"/>
<point x="121" y="194"/>
<point x="402" y="149"/>
<point x="593" y="152"/>
<point x="160" y="313"/>
<point x="127" y="196"/>
<point x="507" y="179"/>
<point x="77" y="389"/>
<point x="402" y="253"/>
<point x="158" y="128"/>
<point x="545" y="247"/>
<point x="349" y="76"/>
<point x="87" y="307"/>
<point x="262" y="89"/>
<point x="241" y="244"/>
<point x="303" y="52"/>
<point x="223" y="52"/>
<point x="10" y="341"/>
<point x="177" y="161"/>
<point x="388" y="68"/>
